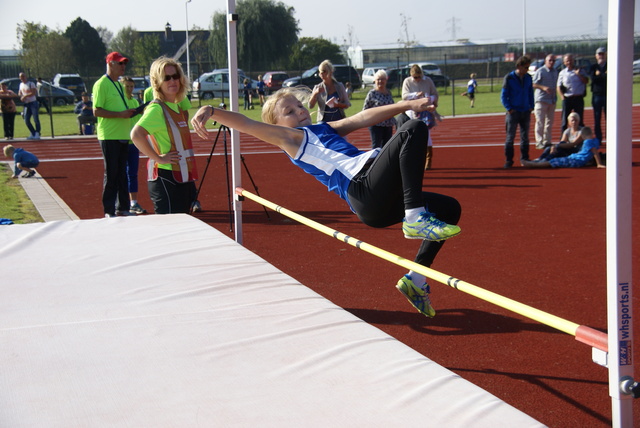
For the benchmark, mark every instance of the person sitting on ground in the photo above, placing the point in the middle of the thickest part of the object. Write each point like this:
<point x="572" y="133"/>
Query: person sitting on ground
<point x="587" y="153"/>
<point x="23" y="159"/>
<point x="570" y="142"/>
<point x="84" y="110"/>
<point x="382" y="187"/>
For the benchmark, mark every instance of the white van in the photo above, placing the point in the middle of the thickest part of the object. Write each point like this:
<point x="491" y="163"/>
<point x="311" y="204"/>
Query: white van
<point x="215" y="84"/>
<point x="430" y="68"/>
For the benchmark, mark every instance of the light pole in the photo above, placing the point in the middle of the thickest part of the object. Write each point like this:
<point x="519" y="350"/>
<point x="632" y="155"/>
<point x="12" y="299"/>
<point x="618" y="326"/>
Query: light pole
<point x="186" y="14"/>
<point x="524" y="27"/>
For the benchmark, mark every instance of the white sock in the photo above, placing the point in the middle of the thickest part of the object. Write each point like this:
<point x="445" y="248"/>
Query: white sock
<point x="133" y="202"/>
<point x="418" y="279"/>
<point x="412" y="214"/>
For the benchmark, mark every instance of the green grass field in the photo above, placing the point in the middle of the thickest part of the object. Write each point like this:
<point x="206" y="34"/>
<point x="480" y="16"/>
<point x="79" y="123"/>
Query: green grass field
<point x="15" y="204"/>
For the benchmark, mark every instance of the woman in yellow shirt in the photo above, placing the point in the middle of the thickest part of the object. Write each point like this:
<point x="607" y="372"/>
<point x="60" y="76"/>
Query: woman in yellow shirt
<point x="163" y="135"/>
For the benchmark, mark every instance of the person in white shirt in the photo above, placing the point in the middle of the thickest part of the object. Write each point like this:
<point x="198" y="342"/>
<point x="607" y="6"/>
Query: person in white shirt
<point x="420" y="86"/>
<point x="545" y="81"/>
<point x="28" y="93"/>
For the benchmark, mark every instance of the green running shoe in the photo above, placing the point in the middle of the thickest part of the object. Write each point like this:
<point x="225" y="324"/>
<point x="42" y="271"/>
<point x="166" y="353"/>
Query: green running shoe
<point x="419" y="297"/>
<point x="430" y="228"/>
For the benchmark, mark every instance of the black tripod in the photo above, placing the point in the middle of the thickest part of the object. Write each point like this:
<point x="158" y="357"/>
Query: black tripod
<point x="196" y="205"/>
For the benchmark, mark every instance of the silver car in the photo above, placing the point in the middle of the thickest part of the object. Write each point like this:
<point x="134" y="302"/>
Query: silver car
<point x="215" y="84"/>
<point x="367" y="75"/>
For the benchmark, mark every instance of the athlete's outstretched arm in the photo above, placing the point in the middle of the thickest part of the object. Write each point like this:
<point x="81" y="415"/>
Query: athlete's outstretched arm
<point x="372" y="116"/>
<point x="288" y="139"/>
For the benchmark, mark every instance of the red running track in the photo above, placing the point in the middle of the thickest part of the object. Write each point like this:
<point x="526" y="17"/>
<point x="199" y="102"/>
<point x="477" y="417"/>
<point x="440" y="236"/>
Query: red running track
<point x="536" y="236"/>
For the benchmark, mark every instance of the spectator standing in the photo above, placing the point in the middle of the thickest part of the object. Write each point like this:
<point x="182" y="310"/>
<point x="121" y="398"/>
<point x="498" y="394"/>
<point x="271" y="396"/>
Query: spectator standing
<point x="28" y="93"/>
<point x="133" y="160"/>
<point x="44" y="93"/>
<point x="472" y="84"/>
<point x="8" y="108"/>
<point x="114" y="125"/>
<point x="163" y="135"/>
<point x="572" y="87"/>
<point x="349" y="89"/>
<point x="376" y="97"/>
<point x="417" y="85"/>
<point x="247" y="89"/>
<point x="330" y="95"/>
<point x="598" y="75"/>
<point x="517" y="99"/>
<point x="261" y="86"/>
<point x="84" y="110"/>
<point x="545" y="81"/>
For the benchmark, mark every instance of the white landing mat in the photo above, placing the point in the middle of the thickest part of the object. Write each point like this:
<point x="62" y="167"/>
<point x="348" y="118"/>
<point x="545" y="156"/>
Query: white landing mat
<point x="162" y="321"/>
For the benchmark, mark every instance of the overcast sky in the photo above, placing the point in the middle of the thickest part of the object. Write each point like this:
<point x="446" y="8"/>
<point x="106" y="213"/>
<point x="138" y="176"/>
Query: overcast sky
<point x="364" y="22"/>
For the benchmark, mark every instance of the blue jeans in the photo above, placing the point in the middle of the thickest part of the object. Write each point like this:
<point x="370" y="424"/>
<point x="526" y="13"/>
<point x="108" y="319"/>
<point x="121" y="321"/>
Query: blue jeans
<point x="31" y="110"/>
<point x="599" y="103"/>
<point x="513" y="120"/>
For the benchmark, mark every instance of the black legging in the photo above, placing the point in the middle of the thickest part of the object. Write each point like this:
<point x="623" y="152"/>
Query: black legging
<point x="393" y="183"/>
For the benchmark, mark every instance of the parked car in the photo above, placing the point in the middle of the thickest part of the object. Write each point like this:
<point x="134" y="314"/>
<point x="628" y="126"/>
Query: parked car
<point x="636" y="66"/>
<point x="430" y="68"/>
<point x="59" y="96"/>
<point x="73" y="82"/>
<point x="273" y="80"/>
<point x="343" y="74"/>
<point x="397" y="75"/>
<point x="215" y="84"/>
<point x="367" y="75"/>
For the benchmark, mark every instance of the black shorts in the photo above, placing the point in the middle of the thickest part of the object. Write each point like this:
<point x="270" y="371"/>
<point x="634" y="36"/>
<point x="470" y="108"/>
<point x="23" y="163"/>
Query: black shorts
<point x="169" y="196"/>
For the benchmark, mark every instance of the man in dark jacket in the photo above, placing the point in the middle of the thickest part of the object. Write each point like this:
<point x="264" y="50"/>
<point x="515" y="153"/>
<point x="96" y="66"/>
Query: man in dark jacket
<point x="517" y="99"/>
<point x="598" y="75"/>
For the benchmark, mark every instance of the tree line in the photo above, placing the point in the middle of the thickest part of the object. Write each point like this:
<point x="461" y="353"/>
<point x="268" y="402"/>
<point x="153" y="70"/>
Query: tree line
<point x="267" y="38"/>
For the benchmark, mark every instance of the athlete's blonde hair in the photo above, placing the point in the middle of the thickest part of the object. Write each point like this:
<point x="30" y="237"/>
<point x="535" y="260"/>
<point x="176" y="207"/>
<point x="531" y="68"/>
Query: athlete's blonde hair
<point x="156" y="74"/>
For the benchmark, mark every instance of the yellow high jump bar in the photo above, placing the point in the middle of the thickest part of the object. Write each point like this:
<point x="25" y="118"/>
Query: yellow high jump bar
<point x="582" y="333"/>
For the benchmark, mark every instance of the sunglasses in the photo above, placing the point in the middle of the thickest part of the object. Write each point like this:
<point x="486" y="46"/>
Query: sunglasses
<point x="168" y="77"/>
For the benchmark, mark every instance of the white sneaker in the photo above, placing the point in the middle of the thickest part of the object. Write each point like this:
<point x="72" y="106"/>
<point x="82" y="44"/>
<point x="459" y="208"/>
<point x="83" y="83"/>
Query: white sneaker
<point x="36" y="136"/>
